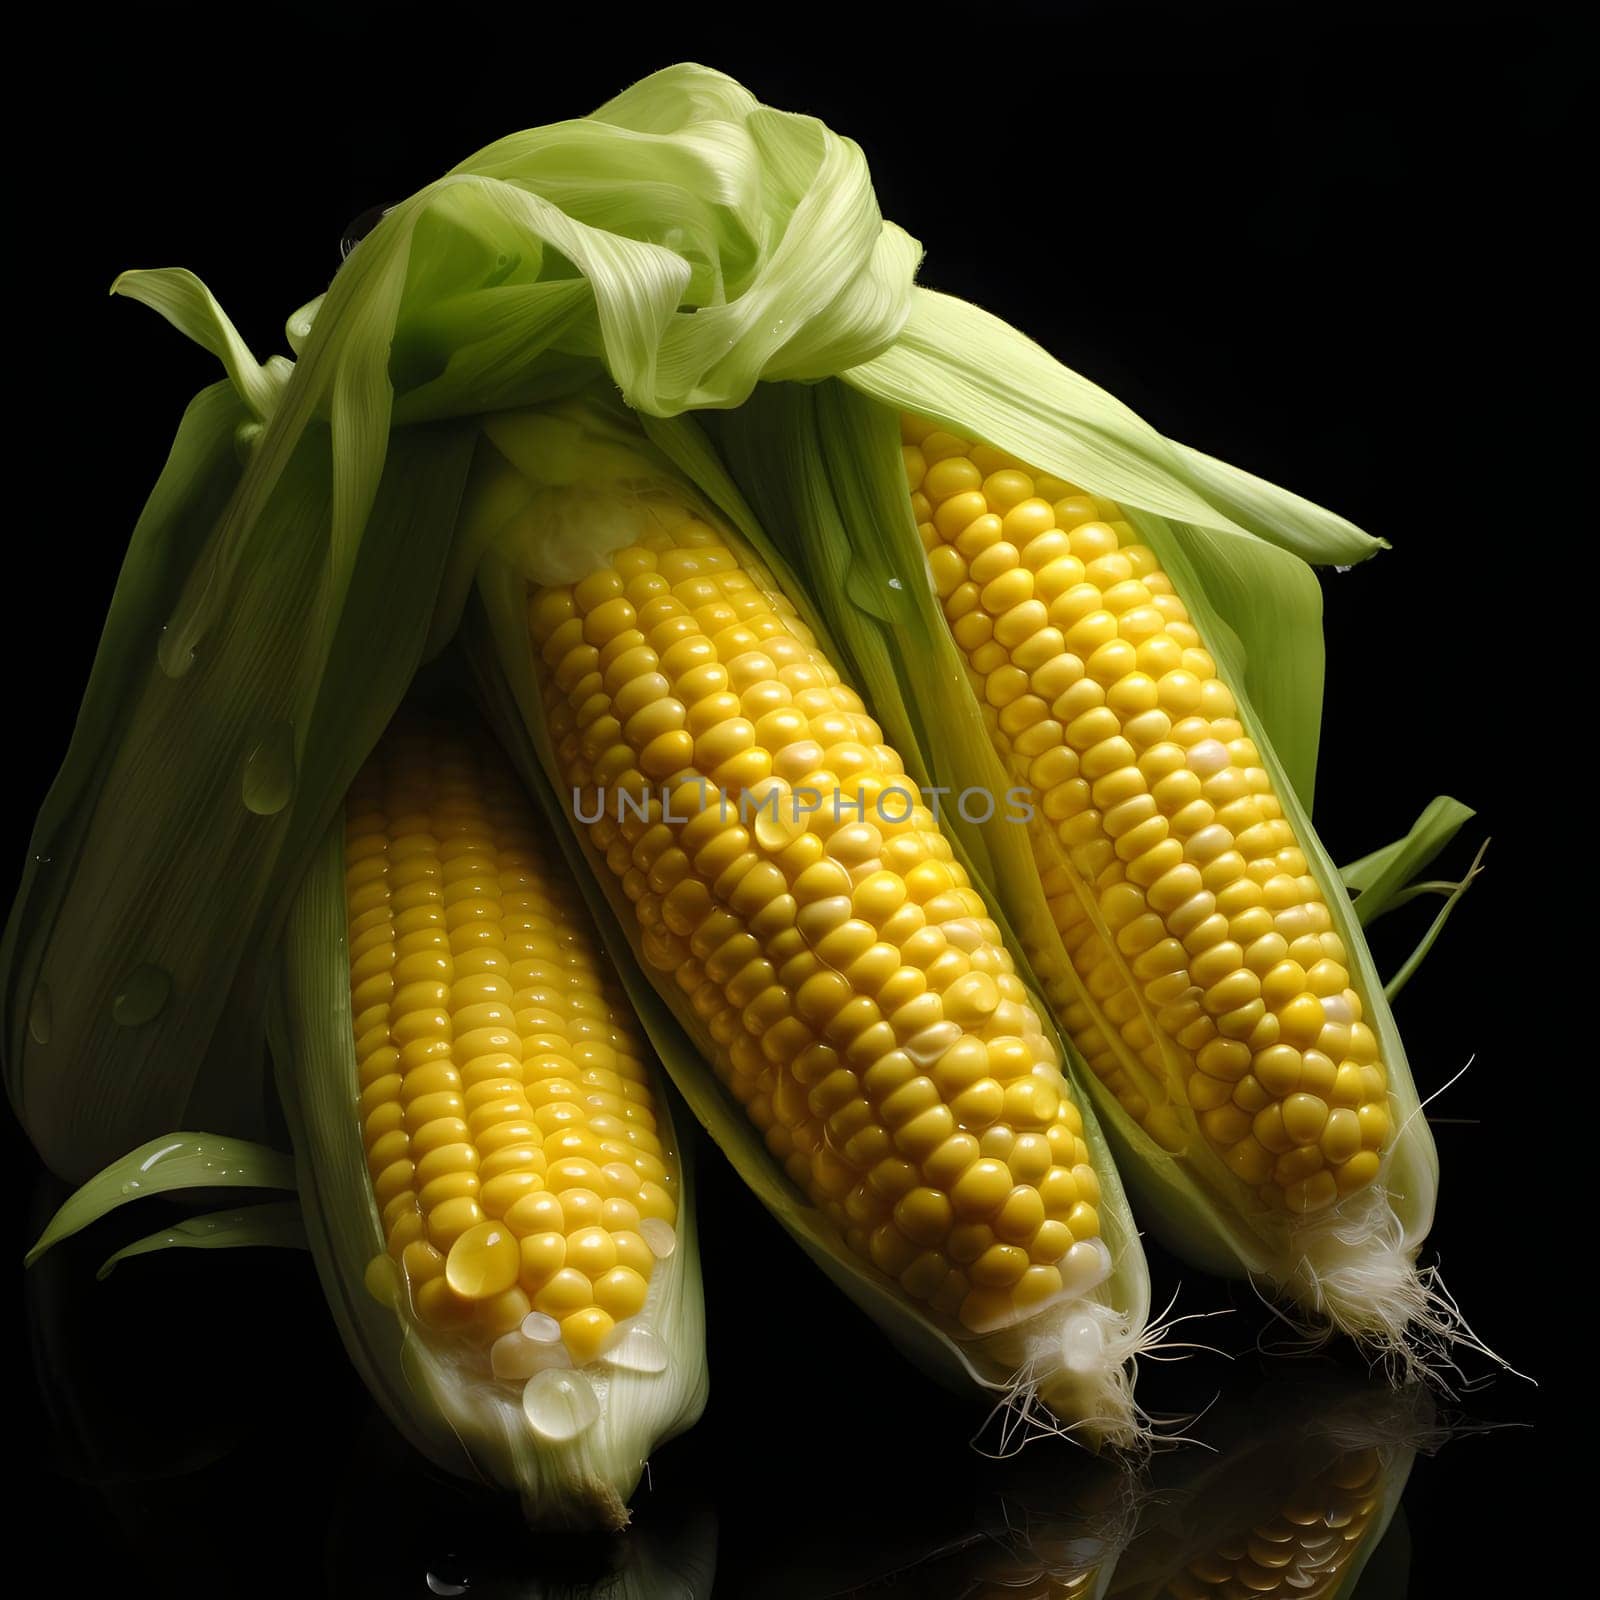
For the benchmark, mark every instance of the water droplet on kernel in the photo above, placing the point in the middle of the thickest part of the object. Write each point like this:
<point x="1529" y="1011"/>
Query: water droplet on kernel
<point x="559" y="1405"/>
<point x="660" y="1235"/>
<point x="638" y="1350"/>
<point x="142" y="997"/>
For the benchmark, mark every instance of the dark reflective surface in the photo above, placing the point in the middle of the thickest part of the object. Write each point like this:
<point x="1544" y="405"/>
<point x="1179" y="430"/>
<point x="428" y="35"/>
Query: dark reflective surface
<point x="197" y="1422"/>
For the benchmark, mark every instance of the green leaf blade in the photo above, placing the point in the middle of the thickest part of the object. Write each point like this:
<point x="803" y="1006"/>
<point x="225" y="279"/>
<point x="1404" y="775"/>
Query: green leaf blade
<point x="176" y="1161"/>
<point x="1379" y="876"/>
<point x="274" y="1225"/>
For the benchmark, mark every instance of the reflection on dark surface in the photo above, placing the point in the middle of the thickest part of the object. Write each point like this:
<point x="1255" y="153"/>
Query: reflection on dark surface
<point x="1308" y="1472"/>
<point x="208" y="1436"/>
<point x="460" y="1542"/>
<point x="1293" y="1499"/>
<point x="1049" y="1521"/>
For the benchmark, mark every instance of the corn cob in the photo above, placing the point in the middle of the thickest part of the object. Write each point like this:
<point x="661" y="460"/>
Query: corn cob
<point x="1164" y="884"/>
<point x="1210" y="985"/>
<point x="486" y="1168"/>
<point x="521" y="1186"/>
<point x="865" y="1013"/>
<point x="510" y="1126"/>
<point x="1184" y="926"/>
<point x="796" y="901"/>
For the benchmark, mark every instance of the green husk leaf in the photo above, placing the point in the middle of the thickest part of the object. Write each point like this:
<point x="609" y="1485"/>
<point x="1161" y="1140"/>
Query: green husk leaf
<point x="193" y="310"/>
<point x="465" y="1423"/>
<point x="175" y="1161"/>
<point x="983" y="380"/>
<point x="1379" y="877"/>
<point x="1408" y="968"/>
<point x="275" y="1225"/>
<point x="980" y="378"/>
<point x="1320" y="536"/>
<point x="496" y="645"/>
<point x="187" y="805"/>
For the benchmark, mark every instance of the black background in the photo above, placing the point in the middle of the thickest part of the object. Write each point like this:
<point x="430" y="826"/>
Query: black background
<point x="1334" y="250"/>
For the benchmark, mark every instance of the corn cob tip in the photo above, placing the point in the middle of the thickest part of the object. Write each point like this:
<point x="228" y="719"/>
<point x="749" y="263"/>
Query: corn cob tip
<point x="1357" y="1275"/>
<point x="592" y="1506"/>
<point x="1072" y="1377"/>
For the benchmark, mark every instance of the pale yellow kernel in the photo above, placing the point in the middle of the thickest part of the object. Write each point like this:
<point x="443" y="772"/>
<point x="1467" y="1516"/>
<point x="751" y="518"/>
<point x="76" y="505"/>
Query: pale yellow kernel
<point x="1375" y="1125"/>
<point x="483" y="1261"/>
<point x="949" y="476"/>
<point x="622" y="1291"/>
<point x="959" y="511"/>
<point x="1311" y="1193"/>
<point x="1318" y="1075"/>
<point x="439" y="1306"/>
<point x="536" y="1213"/>
<point x="451" y="1218"/>
<point x="586" y="1332"/>
<point x="1357" y="1172"/>
<point x="1304" y="1117"/>
<point x="1341" y="1136"/>
<point x="1226" y="1125"/>
<point x="924" y="1216"/>
<point x="633" y="1252"/>
<point x="999" y="1267"/>
<point x="591" y="1251"/>
<point x="1021" y="1216"/>
<point x="1027" y="519"/>
<point x="541" y="1255"/>
<point x="1250" y="1161"/>
<point x="655" y="1203"/>
<point x="562" y="1293"/>
<point x="1301" y="1020"/>
<point x="982" y="1189"/>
